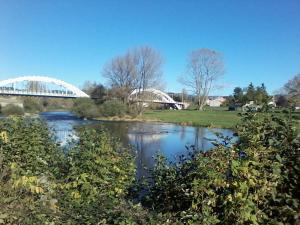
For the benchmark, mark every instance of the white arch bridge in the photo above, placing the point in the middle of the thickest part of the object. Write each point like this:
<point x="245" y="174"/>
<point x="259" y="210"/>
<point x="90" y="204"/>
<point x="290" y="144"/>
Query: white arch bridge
<point x="40" y="86"/>
<point x="156" y="96"/>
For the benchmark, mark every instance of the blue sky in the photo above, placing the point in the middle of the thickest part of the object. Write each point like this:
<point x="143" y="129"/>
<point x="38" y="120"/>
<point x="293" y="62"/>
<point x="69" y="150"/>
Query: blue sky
<point x="72" y="40"/>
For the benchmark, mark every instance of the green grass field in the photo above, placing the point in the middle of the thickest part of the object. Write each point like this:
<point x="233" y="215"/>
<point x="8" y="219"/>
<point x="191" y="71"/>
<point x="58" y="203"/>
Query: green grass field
<point x="216" y="118"/>
<point x="222" y="119"/>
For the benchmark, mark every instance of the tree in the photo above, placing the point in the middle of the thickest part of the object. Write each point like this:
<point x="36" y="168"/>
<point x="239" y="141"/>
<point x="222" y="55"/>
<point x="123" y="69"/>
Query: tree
<point x="139" y="68"/>
<point x="35" y="86"/>
<point x="238" y="95"/>
<point x="261" y="95"/>
<point x="96" y="91"/>
<point x="184" y="95"/>
<point x="148" y="63"/>
<point x="282" y="101"/>
<point x="204" y="67"/>
<point x="292" y="89"/>
<point x="121" y="74"/>
<point x="250" y="93"/>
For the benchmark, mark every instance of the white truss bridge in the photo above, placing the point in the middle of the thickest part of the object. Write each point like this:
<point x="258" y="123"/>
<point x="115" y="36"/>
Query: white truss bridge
<point x="41" y="86"/>
<point x="155" y="96"/>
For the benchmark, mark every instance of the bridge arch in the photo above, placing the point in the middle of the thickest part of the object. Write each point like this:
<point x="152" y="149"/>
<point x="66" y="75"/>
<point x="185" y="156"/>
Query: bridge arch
<point x="76" y="91"/>
<point x="161" y="97"/>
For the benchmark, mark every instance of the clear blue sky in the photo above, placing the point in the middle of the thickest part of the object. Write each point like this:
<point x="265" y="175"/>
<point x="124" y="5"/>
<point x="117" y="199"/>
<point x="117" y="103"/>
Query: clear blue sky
<point x="72" y="39"/>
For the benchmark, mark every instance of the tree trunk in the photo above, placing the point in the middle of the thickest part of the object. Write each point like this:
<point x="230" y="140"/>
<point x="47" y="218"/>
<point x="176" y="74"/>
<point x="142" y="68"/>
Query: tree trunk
<point x="200" y="104"/>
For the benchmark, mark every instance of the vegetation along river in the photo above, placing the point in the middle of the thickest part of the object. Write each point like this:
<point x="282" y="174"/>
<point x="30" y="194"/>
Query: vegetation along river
<point x="147" y="139"/>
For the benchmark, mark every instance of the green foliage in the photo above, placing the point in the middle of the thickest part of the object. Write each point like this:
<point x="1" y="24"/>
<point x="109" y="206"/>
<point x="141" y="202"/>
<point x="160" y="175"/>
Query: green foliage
<point x="29" y="165"/>
<point x="12" y="109"/>
<point x="113" y="108"/>
<point x="32" y="105"/>
<point x="240" y="97"/>
<point x="57" y="103"/>
<point x="99" y="176"/>
<point x="41" y="185"/>
<point x="85" y="107"/>
<point x="255" y="181"/>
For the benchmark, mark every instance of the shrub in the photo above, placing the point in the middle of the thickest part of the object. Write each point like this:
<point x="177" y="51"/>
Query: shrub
<point x="99" y="176"/>
<point x="29" y="163"/>
<point x="11" y="109"/>
<point x="85" y="107"/>
<point x="255" y="181"/>
<point x="41" y="185"/>
<point x="113" y="108"/>
<point x="133" y="110"/>
<point x="32" y="105"/>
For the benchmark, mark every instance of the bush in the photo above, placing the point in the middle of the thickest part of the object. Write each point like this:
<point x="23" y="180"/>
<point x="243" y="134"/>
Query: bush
<point x="29" y="163"/>
<point x="99" y="176"/>
<point x="41" y="185"/>
<point x="85" y="107"/>
<point x="11" y="109"/>
<point x="113" y="108"/>
<point x="32" y="105"/>
<point x="255" y="181"/>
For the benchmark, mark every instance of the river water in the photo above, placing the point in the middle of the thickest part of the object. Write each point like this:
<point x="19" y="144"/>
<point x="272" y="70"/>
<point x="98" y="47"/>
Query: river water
<point x="146" y="138"/>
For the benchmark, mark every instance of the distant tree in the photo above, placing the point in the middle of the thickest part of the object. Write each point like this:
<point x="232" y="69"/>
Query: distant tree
<point x="32" y="104"/>
<point x="139" y="68"/>
<point x="148" y="64"/>
<point x="292" y="89"/>
<point x="121" y="74"/>
<point x="35" y="86"/>
<point x="282" y="101"/>
<point x="250" y="93"/>
<point x="96" y="91"/>
<point x="85" y="108"/>
<point x="88" y="86"/>
<point x="238" y="95"/>
<point x="184" y="95"/>
<point x="204" y="67"/>
<point x="261" y="95"/>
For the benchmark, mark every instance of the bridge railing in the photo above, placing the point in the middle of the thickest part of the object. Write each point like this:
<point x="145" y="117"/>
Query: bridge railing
<point x="36" y="93"/>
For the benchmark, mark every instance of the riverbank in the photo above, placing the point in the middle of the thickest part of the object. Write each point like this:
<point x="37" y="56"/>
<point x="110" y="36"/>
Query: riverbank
<point x="219" y="119"/>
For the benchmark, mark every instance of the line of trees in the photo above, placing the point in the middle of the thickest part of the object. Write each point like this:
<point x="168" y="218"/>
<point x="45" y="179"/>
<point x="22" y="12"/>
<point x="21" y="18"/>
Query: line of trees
<point x="241" y="96"/>
<point x="141" y="68"/>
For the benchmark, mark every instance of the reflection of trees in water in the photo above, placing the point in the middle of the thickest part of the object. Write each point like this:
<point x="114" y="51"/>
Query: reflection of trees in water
<point x="182" y="132"/>
<point x="200" y="142"/>
<point x="147" y="146"/>
<point x="146" y="139"/>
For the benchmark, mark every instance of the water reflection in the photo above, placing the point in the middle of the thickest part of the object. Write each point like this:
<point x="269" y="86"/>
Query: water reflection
<point x="146" y="138"/>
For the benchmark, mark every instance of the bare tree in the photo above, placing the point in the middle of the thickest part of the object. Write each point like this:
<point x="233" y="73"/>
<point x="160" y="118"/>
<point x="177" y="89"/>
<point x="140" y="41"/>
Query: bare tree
<point x="121" y="74"/>
<point x="35" y="86"/>
<point x="292" y="89"/>
<point x="148" y="63"/>
<point x="139" y="68"/>
<point x="204" y="67"/>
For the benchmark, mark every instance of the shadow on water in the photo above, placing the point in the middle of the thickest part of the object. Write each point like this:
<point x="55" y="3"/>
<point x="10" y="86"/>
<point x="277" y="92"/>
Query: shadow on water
<point x="147" y="139"/>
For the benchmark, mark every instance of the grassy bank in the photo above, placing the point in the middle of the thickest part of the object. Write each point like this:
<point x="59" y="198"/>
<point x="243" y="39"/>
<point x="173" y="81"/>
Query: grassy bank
<point x="216" y="118"/>
<point x="222" y="119"/>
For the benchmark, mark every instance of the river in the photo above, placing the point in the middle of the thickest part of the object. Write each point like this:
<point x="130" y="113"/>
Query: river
<point x="146" y="138"/>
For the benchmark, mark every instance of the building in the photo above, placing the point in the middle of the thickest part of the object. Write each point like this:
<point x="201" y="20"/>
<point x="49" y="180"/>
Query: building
<point x="215" y="101"/>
